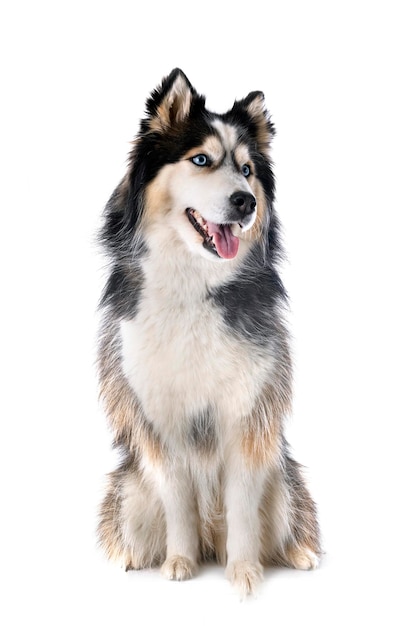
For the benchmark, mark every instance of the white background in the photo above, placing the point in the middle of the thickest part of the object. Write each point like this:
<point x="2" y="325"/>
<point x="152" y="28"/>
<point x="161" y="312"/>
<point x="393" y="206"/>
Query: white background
<point x="340" y="82"/>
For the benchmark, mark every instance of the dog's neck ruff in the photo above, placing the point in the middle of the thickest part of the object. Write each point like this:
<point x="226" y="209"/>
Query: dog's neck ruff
<point x="176" y="273"/>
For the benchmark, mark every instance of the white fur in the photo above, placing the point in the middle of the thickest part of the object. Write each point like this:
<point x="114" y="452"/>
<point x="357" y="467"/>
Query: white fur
<point x="227" y="133"/>
<point x="208" y="194"/>
<point x="192" y="360"/>
<point x="180" y="358"/>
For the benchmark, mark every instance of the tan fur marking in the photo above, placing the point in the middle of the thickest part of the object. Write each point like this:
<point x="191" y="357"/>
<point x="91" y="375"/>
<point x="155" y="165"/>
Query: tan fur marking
<point x="155" y="125"/>
<point x="174" y="108"/>
<point x="124" y="415"/>
<point x="211" y="146"/>
<point x="158" y="200"/>
<point x="256" y="110"/>
<point x="257" y="107"/>
<point x="259" y="445"/>
<point x="152" y="447"/>
<point x="123" y="410"/>
<point x="302" y="556"/>
<point x="255" y="232"/>
<point x="262" y="430"/>
<point x="242" y="155"/>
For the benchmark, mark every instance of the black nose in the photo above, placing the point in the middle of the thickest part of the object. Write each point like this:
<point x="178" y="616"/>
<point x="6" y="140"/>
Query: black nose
<point x="244" y="202"/>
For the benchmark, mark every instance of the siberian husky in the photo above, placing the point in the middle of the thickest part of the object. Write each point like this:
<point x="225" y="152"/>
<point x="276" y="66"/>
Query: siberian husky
<point x="194" y="356"/>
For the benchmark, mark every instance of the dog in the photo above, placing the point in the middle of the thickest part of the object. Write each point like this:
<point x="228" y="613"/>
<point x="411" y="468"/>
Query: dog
<point x="194" y="357"/>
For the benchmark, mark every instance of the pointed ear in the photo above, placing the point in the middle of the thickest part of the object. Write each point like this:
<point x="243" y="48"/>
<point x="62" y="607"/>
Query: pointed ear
<point x="254" y="105"/>
<point x="170" y="104"/>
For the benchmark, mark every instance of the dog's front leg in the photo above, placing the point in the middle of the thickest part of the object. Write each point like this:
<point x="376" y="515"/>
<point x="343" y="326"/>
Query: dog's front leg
<point x="178" y="500"/>
<point x="243" y="492"/>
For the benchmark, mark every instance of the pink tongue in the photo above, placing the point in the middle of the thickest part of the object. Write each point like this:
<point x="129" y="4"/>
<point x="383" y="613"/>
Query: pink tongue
<point x="227" y="245"/>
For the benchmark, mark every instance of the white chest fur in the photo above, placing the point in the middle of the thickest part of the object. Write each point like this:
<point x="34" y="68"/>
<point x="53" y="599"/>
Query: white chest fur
<point x="181" y="358"/>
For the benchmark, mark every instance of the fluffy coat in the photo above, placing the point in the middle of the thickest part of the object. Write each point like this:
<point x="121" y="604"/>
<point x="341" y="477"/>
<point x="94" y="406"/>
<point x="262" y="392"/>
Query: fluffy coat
<point x="194" y="359"/>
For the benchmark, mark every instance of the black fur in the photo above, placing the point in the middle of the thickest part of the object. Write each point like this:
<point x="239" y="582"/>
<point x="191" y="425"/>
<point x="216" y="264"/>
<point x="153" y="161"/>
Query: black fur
<point x="257" y="287"/>
<point x="249" y="301"/>
<point x="203" y="432"/>
<point x="122" y="291"/>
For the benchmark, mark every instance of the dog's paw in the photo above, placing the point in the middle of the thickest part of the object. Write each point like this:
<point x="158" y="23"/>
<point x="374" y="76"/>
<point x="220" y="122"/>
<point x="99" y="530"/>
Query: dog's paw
<point x="178" y="567"/>
<point x="245" y="576"/>
<point x="302" y="557"/>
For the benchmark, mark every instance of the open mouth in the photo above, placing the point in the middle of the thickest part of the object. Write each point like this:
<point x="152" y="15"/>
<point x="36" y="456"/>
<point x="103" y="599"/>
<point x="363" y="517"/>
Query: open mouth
<point x="217" y="238"/>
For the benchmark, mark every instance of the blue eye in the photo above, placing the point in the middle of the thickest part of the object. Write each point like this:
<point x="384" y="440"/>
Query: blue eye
<point x="245" y="170"/>
<point x="200" y="159"/>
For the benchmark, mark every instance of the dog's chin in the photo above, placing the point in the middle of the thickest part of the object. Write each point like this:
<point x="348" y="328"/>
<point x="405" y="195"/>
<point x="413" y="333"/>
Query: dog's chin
<point x="220" y="240"/>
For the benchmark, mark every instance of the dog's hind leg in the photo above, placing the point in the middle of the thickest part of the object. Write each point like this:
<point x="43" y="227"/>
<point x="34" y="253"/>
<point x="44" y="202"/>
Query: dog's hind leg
<point x="303" y="549"/>
<point x="290" y="534"/>
<point x="132" y="524"/>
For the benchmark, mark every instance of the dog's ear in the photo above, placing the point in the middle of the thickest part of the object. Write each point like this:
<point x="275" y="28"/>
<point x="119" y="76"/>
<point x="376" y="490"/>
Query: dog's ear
<point x="170" y="104"/>
<point x="254" y="106"/>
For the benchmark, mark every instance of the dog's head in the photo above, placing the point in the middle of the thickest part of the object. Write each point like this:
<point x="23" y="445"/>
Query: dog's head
<point x="201" y="178"/>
